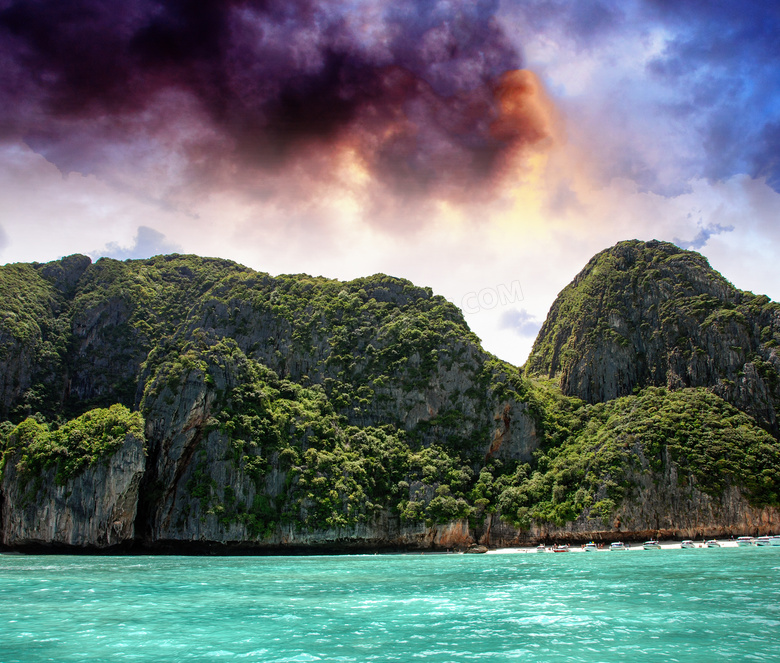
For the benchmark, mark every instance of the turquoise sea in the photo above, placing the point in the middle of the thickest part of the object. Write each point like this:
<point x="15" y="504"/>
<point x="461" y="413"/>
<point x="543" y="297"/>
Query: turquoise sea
<point x="671" y="605"/>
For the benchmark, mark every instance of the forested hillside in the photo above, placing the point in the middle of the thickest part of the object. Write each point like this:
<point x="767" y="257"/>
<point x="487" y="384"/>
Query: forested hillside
<point x="192" y="403"/>
<point x="651" y="314"/>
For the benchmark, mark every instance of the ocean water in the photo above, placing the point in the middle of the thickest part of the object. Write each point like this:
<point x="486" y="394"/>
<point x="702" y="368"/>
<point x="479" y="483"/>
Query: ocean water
<point x="671" y="605"/>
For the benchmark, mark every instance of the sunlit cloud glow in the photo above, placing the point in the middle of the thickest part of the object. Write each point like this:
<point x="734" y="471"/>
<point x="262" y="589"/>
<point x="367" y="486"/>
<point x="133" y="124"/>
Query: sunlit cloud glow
<point x="461" y="145"/>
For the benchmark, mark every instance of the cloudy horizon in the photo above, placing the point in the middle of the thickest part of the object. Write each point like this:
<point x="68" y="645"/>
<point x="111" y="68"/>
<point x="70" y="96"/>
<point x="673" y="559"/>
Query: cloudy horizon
<point x="487" y="150"/>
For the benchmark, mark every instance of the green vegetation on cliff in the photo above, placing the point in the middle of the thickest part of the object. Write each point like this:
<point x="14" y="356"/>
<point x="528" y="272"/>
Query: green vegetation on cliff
<point x="651" y="314"/>
<point x="298" y="403"/>
<point x="72" y="447"/>
<point x="33" y="342"/>
<point x="369" y="395"/>
<point x="337" y="474"/>
<point x="595" y="454"/>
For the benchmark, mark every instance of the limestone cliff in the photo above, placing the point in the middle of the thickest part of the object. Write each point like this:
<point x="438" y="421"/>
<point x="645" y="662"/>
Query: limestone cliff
<point x="205" y="485"/>
<point x="662" y="505"/>
<point x="185" y="403"/>
<point x="279" y="411"/>
<point x="95" y="509"/>
<point x="650" y="313"/>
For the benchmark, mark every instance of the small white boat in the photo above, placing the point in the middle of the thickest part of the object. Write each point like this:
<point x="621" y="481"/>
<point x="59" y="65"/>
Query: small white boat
<point x="617" y="545"/>
<point x="590" y="547"/>
<point x="687" y="544"/>
<point x="763" y="541"/>
<point x="561" y="548"/>
<point x="712" y="543"/>
<point x="651" y="545"/>
<point x="540" y="548"/>
<point x="745" y="541"/>
<point x="774" y="540"/>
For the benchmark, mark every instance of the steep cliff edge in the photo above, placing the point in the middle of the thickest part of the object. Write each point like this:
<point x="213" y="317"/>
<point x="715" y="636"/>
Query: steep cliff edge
<point x="651" y="314"/>
<point x="76" y="486"/>
<point x="238" y="455"/>
<point x="279" y="411"/>
<point x="185" y="404"/>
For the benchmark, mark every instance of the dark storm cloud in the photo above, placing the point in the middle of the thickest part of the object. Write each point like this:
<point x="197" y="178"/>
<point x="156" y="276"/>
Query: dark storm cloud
<point x="410" y="86"/>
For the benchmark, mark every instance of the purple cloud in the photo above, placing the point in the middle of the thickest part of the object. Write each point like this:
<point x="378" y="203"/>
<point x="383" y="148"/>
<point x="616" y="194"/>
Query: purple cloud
<point x="410" y="86"/>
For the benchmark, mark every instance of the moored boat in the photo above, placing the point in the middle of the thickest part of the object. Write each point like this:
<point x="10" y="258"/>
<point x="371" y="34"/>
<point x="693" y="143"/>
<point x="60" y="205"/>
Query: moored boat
<point x="763" y="541"/>
<point x="590" y="547"/>
<point x="540" y="548"/>
<point x="774" y="540"/>
<point x="561" y="548"/>
<point x="651" y="545"/>
<point x="712" y="543"/>
<point x="617" y="545"/>
<point x="745" y="541"/>
<point x="687" y="544"/>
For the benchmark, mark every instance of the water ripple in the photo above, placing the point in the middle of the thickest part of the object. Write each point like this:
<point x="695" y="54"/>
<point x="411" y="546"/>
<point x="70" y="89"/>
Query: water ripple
<point x="440" y="608"/>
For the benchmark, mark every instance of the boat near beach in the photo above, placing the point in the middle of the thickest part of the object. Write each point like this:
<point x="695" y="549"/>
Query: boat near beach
<point x="743" y="541"/>
<point x="712" y="543"/>
<point x="590" y="547"/>
<point x="541" y="548"/>
<point x="763" y="541"/>
<point x="561" y="548"/>
<point x="617" y="545"/>
<point x="687" y="544"/>
<point x="651" y="545"/>
<point x="774" y="540"/>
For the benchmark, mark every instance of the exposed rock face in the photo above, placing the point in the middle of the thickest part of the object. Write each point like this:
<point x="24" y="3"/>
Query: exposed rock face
<point x="25" y="330"/>
<point x="514" y="435"/>
<point x="65" y="274"/>
<point x="386" y="532"/>
<point x="650" y="313"/>
<point x="656" y="512"/>
<point x="185" y="453"/>
<point x="95" y="509"/>
<point x="276" y="409"/>
<point x="35" y="332"/>
<point x="382" y="351"/>
<point x="661" y="505"/>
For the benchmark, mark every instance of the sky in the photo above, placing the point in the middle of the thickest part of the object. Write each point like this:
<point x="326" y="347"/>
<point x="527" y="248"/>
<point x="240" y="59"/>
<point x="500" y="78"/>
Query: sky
<point x="484" y="149"/>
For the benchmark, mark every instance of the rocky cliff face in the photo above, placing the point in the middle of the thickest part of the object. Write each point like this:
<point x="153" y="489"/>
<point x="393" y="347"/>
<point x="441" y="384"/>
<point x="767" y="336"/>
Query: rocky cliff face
<point x="204" y="486"/>
<point x="293" y="412"/>
<point x="661" y="506"/>
<point x="279" y="411"/>
<point x="650" y="313"/>
<point x="95" y="509"/>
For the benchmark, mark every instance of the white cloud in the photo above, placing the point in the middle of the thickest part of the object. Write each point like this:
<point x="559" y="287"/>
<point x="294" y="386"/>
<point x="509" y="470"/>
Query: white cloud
<point x="520" y="239"/>
<point x="47" y="215"/>
<point x="148" y="242"/>
<point x="521" y="322"/>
